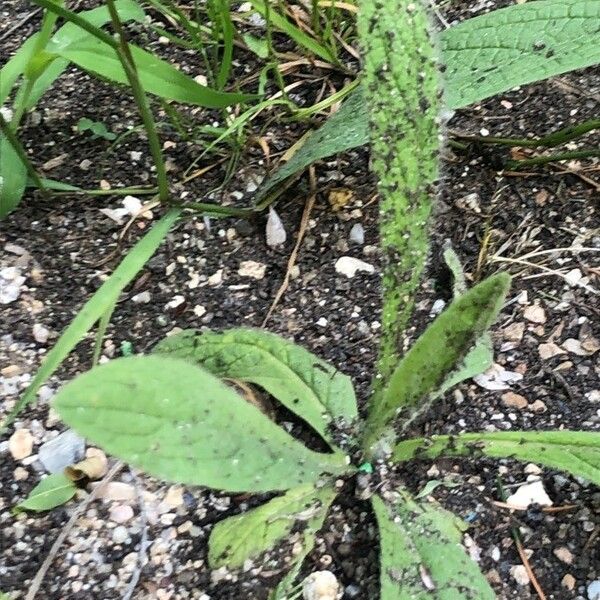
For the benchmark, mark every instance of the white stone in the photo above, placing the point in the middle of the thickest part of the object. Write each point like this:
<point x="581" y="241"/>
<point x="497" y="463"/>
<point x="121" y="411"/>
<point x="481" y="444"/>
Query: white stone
<point x="593" y="590"/>
<point x="120" y="534"/>
<point x="321" y="585"/>
<point x="529" y="493"/>
<point x="64" y="450"/>
<point x="349" y="266"/>
<point x="357" y="234"/>
<point x="251" y="268"/>
<point x="120" y="513"/>
<point x="142" y="297"/>
<point x="40" y="333"/>
<point x="519" y="573"/>
<point x="275" y="232"/>
<point x="20" y="444"/>
<point x="497" y="378"/>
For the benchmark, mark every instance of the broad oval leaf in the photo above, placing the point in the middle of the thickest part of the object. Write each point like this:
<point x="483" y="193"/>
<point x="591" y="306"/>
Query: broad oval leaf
<point x="305" y="384"/>
<point x="577" y="452"/>
<point x="178" y="422"/>
<point x="52" y="491"/>
<point x="421" y="553"/>
<point x="247" y="535"/>
<point x="157" y="76"/>
<point x="437" y="352"/>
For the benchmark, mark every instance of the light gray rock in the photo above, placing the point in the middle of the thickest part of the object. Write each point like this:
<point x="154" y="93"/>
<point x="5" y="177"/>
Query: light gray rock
<point x="64" y="450"/>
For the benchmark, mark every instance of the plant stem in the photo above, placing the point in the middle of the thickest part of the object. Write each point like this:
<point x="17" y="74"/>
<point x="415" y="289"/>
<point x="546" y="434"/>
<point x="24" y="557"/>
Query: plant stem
<point x="516" y="165"/>
<point x="14" y="141"/>
<point x="557" y="138"/>
<point x="126" y="58"/>
<point x="215" y="209"/>
<point x="272" y="58"/>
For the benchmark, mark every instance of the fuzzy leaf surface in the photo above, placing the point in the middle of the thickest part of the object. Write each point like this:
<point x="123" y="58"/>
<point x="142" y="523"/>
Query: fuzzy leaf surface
<point x="247" y="535"/>
<point x="577" y="452"/>
<point x="178" y="422"/>
<point x="437" y="352"/>
<point x="506" y="48"/>
<point x="422" y="557"/>
<point x="305" y="384"/>
<point x="52" y="491"/>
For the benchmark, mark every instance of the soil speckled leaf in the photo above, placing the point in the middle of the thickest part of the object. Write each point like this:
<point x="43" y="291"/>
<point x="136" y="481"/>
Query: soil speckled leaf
<point x="247" y="535"/>
<point x="577" y="452"/>
<point x="305" y="384"/>
<point x="422" y="557"/>
<point x="436" y="353"/>
<point x="178" y="422"/>
<point x="52" y="491"/>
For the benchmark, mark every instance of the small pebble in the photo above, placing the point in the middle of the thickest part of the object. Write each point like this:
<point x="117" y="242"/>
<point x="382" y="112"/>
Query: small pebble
<point x="349" y="266"/>
<point x="514" y="400"/>
<point x="593" y="590"/>
<point x="253" y="269"/>
<point x="64" y="450"/>
<point x="529" y="493"/>
<point x="120" y="534"/>
<point x="40" y="333"/>
<point x="321" y="585"/>
<point x="357" y="234"/>
<point x="563" y="554"/>
<point x="535" y="314"/>
<point x="121" y="513"/>
<point x="519" y="573"/>
<point x="20" y="444"/>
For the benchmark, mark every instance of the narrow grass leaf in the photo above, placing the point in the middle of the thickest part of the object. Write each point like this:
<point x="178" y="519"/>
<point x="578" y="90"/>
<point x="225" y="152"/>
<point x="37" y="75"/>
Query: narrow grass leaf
<point x="421" y="554"/>
<point x="303" y="383"/>
<point x="178" y="422"/>
<point x="13" y="177"/>
<point x="95" y="307"/>
<point x="52" y="491"/>
<point x="247" y="535"/>
<point x="577" y="452"/>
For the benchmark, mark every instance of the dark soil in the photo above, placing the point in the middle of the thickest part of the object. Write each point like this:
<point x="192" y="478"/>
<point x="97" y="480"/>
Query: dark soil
<point x="70" y="247"/>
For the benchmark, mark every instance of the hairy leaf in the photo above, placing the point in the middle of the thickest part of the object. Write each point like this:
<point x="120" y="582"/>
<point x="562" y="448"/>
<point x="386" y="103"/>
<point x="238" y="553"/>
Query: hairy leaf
<point x="421" y="553"/>
<point x="340" y="132"/>
<point x="305" y="384"/>
<point x="402" y="86"/>
<point x="178" y="422"/>
<point x="519" y="44"/>
<point x="484" y="56"/>
<point x="249" y="534"/>
<point x="95" y="307"/>
<point x="54" y="490"/>
<point x="437" y="352"/>
<point x="13" y="177"/>
<point x="157" y="76"/>
<point x="128" y="10"/>
<point x="577" y="452"/>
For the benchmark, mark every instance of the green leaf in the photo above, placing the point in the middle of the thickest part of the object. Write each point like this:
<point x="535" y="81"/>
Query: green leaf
<point x="577" y="452"/>
<point x="437" y="352"/>
<point x="68" y="33"/>
<point x="310" y="387"/>
<point x="54" y="490"/>
<point x="257" y="45"/>
<point x="507" y="48"/>
<point x="422" y="557"/>
<point x="340" y="132"/>
<point x="247" y="535"/>
<point x="95" y="307"/>
<point x="517" y="45"/>
<point x="180" y="423"/>
<point x="157" y="76"/>
<point x="13" y="177"/>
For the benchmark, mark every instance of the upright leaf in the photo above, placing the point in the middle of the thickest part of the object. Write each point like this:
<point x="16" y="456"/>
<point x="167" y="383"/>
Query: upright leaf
<point x="178" y="422"/>
<point x="249" y="534"/>
<point x="437" y="352"/>
<point x="421" y="553"/>
<point x="577" y="452"/>
<point x="52" y="491"/>
<point x="305" y="384"/>
<point x="402" y="87"/>
<point x="95" y="307"/>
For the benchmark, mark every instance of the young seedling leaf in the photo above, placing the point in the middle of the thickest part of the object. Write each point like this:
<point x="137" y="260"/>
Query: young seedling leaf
<point x="95" y="307"/>
<point x="247" y="535"/>
<point x="577" y="452"/>
<point x="52" y="491"/>
<point x="421" y="553"/>
<point x="157" y="76"/>
<point x="437" y="352"/>
<point x="13" y="177"/>
<point x="305" y="384"/>
<point x="180" y="423"/>
<point x="484" y="56"/>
